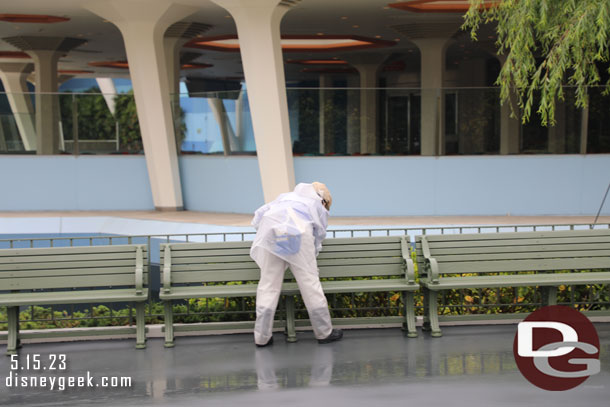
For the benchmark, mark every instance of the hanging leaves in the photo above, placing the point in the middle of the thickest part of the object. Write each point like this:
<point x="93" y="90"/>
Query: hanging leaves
<point x="547" y="44"/>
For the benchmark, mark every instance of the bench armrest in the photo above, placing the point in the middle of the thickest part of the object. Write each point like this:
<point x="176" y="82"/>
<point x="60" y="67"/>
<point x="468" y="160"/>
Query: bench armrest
<point x="431" y="264"/>
<point x="409" y="267"/>
<point x="432" y="269"/>
<point x="167" y="268"/>
<point x="139" y="271"/>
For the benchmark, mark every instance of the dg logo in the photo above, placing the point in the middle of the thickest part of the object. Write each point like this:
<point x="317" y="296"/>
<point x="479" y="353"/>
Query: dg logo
<point x="556" y="348"/>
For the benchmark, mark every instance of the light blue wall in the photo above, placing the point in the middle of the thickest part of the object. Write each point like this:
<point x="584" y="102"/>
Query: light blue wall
<point x="219" y="184"/>
<point x="485" y="185"/>
<point x="361" y="186"/>
<point x="36" y="183"/>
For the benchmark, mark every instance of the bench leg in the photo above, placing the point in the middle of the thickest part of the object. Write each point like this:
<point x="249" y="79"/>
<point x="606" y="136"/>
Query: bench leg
<point x="12" y="343"/>
<point x="291" y="334"/>
<point x="432" y="312"/>
<point x="549" y="295"/>
<point x="426" y="325"/>
<point x="140" y="325"/>
<point x="169" y="324"/>
<point x="409" y="324"/>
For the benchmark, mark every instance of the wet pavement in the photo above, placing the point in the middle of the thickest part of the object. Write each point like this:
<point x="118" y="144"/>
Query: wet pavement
<point x="468" y="366"/>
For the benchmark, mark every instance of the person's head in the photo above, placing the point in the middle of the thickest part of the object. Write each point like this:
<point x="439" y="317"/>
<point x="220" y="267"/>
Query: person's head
<point x="324" y="193"/>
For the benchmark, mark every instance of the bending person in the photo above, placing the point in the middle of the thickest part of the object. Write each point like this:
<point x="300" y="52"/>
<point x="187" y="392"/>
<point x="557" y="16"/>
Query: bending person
<point x="289" y="232"/>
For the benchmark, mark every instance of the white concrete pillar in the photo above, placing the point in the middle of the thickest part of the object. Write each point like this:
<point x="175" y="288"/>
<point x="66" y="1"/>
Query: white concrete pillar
<point x="584" y="130"/>
<point x="47" y="106"/>
<point x="510" y="125"/>
<point x="368" y="67"/>
<point x="323" y="83"/>
<point x="258" y="29"/>
<point x="557" y="133"/>
<point x="353" y="115"/>
<point x="172" y="59"/>
<point x="14" y="78"/>
<point x="432" y="51"/>
<point x="143" y="24"/>
<point x="108" y="90"/>
<point x="46" y="51"/>
<point x="239" y="121"/>
<point x="229" y="143"/>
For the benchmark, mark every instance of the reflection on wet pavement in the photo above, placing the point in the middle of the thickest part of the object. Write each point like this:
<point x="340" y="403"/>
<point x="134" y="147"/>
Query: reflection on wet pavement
<point x="368" y="367"/>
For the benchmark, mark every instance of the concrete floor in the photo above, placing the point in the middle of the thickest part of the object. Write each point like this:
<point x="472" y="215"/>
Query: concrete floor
<point x="468" y="366"/>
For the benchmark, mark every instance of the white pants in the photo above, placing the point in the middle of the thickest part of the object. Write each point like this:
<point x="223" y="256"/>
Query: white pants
<point x="270" y="287"/>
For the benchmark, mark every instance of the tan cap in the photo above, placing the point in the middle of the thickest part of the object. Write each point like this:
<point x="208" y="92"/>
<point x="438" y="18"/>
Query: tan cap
<point x="324" y="193"/>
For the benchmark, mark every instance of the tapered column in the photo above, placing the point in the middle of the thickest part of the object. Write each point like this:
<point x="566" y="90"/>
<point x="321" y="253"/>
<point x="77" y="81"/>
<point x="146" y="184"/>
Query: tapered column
<point x="353" y="115"/>
<point x="326" y="140"/>
<point x="46" y="51"/>
<point x="432" y="51"/>
<point x="176" y="36"/>
<point x="258" y="29"/>
<point x="368" y="67"/>
<point x="108" y="90"/>
<point x="432" y="39"/>
<point x="143" y="24"/>
<point x="510" y="126"/>
<point x="14" y="78"/>
<point x="229" y="142"/>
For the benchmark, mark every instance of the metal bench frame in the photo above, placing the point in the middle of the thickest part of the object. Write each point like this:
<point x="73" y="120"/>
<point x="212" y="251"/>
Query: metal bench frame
<point x="73" y="275"/>
<point x="387" y="258"/>
<point x="508" y="260"/>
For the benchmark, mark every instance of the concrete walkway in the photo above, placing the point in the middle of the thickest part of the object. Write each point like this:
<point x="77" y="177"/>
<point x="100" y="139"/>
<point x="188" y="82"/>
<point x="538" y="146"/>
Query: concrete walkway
<point x="468" y="366"/>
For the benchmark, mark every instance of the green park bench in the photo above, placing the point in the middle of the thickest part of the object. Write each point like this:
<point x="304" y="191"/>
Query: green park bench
<point x="225" y="269"/>
<point x="72" y="275"/>
<point x="515" y="259"/>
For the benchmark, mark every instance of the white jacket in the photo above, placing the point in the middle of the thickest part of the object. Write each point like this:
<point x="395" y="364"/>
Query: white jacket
<point x="291" y="226"/>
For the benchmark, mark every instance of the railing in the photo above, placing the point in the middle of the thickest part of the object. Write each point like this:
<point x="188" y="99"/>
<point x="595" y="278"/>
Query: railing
<point x="351" y="305"/>
<point x="324" y="121"/>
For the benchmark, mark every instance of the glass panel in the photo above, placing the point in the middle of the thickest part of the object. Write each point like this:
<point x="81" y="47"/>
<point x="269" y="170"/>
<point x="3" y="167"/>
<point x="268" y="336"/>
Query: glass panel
<point x="323" y="122"/>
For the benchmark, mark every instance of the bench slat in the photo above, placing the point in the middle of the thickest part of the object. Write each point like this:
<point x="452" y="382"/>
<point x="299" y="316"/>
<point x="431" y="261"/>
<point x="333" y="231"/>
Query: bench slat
<point x="100" y="280"/>
<point x="43" y="251"/>
<point x="254" y="274"/>
<point x="523" y="265"/>
<point x="522" y="280"/>
<point x="517" y="242"/>
<point x="252" y="265"/>
<point x="84" y="258"/>
<point x="358" y="254"/>
<point x="520" y="249"/>
<point x="332" y="251"/>
<point x="585" y="233"/>
<point x="249" y="290"/>
<point x="67" y="272"/>
<point x="72" y="297"/>
<point x="521" y="256"/>
<point x="66" y="265"/>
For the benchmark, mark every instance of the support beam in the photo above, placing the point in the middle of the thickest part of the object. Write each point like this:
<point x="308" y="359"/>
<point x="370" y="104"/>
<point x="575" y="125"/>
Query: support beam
<point x="229" y="143"/>
<point x="326" y="141"/>
<point x="175" y="37"/>
<point x="368" y="67"/>
<point x="432" y="51"/>
<point x="143" y="25"/>
<point x="108" y="90"/>
<point x="353" y="115"/>
<point x="46" y="51"/>
<point x="258" y="29"/>
<point x="14" y="78"/>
